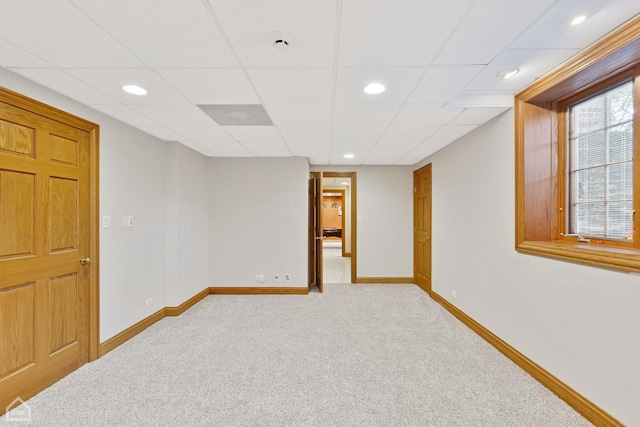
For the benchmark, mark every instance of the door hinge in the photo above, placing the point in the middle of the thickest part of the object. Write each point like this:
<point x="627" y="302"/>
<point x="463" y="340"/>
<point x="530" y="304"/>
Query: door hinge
<point x="415" y="189"/>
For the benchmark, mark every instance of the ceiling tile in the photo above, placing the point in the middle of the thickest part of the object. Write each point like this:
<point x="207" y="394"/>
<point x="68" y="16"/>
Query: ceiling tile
<point x="439" y="84"/>
<point x="225" y="148"/>
<point x="362" y="146"/>
<point x="62" y="36"/>
<point x="12" y="56"/>
<point x="237" y="114"/>
<point x="305" y="133"/>
<point x="337" y="158"/>
<point x="170" y="34"/>
<point x="65" y="84"/>
<point x="300" y="114"/>
<point x="126" y="114"/>
<point x="408" y="133"/>
<point x="395" y="33"/>
<point x="477" y="116"/>
<point x="413" y="157"/>
<point x="357" y="133"/>
<point x="250" y="25"/>
<point x="202" y="134"/>
<point x="175" y="115"/>
<point x="299" y="148"/>
<point x="430" y="146"/>
<point x="383" y="158"/>
<point x="481" y="99"/>
<point x="553" y="30"/>
<point x="110" y="82"/>
<point x="234" y="153"/>
<point x="364" y="114"/>
<point x="452" y="132"/>
<point x="488" y="28"/>
<point x="211" y="85"/>
<point x="320" y="158"/>
<point x="160" y="132"/>
<point x="396" y="145"/>
<point x="532" y="64"/>
<point x="268" y="149"/>
<point x="426" y="114"/>
<point x="253" y="133"/>
<point x="398" y="82"/>
<point x="200" y="149"/>
<point x="293" y="85"/>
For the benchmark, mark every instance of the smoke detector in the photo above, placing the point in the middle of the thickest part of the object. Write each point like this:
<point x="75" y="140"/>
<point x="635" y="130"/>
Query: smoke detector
<point x="281" y="39"/>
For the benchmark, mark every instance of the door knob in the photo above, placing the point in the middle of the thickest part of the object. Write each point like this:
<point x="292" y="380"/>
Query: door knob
<point x="85" y="260"/>
<point x="321" y="238"/>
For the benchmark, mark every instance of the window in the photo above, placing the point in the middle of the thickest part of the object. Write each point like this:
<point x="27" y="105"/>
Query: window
<point x="577" y="179"/>
<point x="599" y="165"/>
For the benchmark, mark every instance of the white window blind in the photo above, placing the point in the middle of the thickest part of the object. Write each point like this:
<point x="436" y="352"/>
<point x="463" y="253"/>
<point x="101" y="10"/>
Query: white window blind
<point x="600" y="165"/>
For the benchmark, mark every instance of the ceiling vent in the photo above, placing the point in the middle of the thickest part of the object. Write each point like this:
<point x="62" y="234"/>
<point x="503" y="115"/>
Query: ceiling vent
<point x="238" y="114"/>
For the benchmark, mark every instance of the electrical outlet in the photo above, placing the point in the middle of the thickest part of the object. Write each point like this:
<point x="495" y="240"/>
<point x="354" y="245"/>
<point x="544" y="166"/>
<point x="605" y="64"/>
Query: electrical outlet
<point x="149" y="301"/>
<point x="287" y="276"/>
<point x="454" y="294"/>
<point x="260" y="278"/>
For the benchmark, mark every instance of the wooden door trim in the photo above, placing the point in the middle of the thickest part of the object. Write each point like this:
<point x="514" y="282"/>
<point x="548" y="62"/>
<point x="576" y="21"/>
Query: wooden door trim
<point x="354" y="215"/>
<point x="36" y="107"/>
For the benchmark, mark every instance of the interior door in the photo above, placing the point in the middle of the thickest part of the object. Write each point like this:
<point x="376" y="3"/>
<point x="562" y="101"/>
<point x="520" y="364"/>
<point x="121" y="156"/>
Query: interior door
<point x="315" y="231"/>
<point x="422" y="227"/>
<point x="45" y="213"/>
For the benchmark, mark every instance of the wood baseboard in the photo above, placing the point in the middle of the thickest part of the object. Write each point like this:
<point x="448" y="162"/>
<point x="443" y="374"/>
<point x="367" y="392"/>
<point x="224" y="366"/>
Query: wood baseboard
<point x="177" y="311"/>
<point x="574" y="399"/>
<point x="130" y="332"/>
<point x="385" y="280"/>
<point x="257" y="291"/>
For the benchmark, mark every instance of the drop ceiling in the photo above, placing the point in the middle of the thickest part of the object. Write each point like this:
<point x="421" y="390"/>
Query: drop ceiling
<point x="438" y="59"/>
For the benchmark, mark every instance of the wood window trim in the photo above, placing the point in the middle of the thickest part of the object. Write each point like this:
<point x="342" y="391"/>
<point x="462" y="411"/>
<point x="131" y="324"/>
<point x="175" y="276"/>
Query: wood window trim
<point x="537" y="145"/>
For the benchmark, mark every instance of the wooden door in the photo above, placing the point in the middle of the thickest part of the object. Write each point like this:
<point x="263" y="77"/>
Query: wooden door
<point x="315" y="231"/>
<point x="45" y="210"/>
<point x="422" y="227"/>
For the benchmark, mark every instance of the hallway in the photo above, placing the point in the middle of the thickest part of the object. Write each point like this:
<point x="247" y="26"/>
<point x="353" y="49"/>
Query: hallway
<point x="336" y="268"/>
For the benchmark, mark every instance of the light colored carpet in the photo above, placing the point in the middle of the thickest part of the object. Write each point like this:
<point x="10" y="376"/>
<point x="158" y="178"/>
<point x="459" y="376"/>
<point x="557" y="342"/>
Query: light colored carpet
<point x="357" y="355"/>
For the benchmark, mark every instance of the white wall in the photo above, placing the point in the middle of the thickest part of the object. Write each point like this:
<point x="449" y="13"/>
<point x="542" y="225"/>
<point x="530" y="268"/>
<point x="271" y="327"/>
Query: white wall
<point x="385" y="205"/>
<point x="581" y="323"/>
<point x="259" y="221"/>
<point x="187" y="218"/>
<point x="165" y="188"/>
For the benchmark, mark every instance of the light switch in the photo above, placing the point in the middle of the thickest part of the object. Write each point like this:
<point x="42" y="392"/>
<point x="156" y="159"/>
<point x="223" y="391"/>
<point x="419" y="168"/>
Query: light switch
<point x="359" y="218"/>
<point x="129" y="221"/>
<point x="106" y="221"/>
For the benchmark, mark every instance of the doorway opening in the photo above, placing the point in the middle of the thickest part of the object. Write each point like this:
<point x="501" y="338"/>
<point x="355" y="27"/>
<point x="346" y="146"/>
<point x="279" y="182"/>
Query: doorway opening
<point x="332" y="228"/>
<point x="336" y="264"/>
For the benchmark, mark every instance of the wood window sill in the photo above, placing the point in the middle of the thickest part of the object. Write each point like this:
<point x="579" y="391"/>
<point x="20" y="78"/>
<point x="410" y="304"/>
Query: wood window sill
<point x="616" y="258"/>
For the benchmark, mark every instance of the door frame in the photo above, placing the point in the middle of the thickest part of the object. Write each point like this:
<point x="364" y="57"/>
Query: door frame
<point x="353" y="217"/>
<point x="25" y="103"/>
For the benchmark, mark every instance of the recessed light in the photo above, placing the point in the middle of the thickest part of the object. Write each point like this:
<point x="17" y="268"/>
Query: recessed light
<point x="134" y="90"/>
<point x="374" y="88"/>
<point x="349" y="156"/>
<point x="508" y="73"/>
<point x="578" y="19"/>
